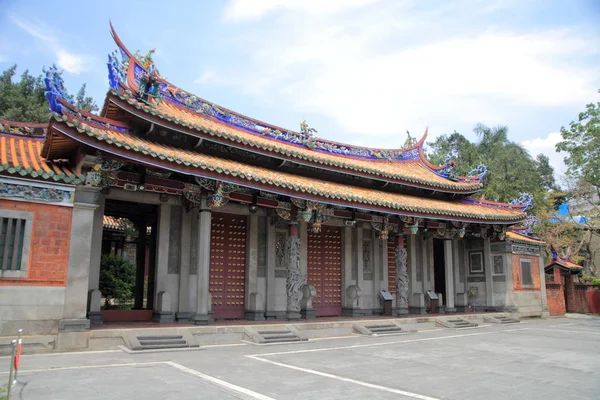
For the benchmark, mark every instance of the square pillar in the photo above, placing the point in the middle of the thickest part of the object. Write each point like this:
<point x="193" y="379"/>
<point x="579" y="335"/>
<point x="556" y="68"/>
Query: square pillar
<point x="162" y="302"/>
<point x="254" y="300"/>
<point x="271" y="313"/>
<point x="488" y="266"/>
<point x="94" y="294"/>
<point x="417" y="299"/>
<point x="184" y="313"/>
<point x="80" y="251"/>
<point x="295" y="280"/>
<point x="449" y="275"/>
<point x="545" y="309"/>
<point x="203" y="303"/>
<point x="401" y="278"/>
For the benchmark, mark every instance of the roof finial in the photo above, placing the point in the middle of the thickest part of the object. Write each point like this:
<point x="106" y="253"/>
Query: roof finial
<point x="307" y="130"/>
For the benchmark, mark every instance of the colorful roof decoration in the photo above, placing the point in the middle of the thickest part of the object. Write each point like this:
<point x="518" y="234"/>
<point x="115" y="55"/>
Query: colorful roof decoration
<point x="518" y="236"/>
<point x="563" y="262"/>
<point x="202" y="165"/>
<point x="20" y="154"/>
<point x="136" y="82"/>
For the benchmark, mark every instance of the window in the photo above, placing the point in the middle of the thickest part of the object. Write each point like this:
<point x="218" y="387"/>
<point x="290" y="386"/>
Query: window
<point x="498" y="265"/>
<point x="526" y="277"/>
<point x="15" y="234"/>
<point x="476" y="262"/>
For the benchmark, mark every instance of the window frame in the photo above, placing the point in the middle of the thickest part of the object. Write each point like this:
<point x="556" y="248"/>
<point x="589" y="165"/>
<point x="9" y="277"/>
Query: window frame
<point x="479" y="271"/>
<point x="23" y="270"/>
<point x="530" y="262"/>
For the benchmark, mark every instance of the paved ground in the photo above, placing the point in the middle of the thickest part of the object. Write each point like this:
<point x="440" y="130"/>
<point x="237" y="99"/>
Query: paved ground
<point x="556" y="359"/>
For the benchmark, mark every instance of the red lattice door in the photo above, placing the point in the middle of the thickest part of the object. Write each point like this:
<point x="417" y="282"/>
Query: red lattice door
<point x="325" y="270"/>
<point x="391" y="264"/>
<point x="227" y="265"/>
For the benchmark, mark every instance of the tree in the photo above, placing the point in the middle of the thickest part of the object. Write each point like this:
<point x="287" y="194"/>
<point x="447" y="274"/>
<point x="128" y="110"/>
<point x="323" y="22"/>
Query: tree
<point x="512" y="170"/>
<point x="546" y="172"/>
<point x="84" y="102"/>
<point x="117" y="279"/>
<point x="25" y="101"/>
<point x="582" y="143"/>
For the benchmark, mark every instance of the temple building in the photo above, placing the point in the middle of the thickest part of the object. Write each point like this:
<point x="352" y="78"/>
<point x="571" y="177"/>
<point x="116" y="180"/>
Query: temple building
<point x="244" y="219"/>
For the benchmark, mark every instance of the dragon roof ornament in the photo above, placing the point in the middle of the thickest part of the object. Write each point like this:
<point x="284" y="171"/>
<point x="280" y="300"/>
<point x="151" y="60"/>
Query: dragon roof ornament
<point x="131" y="71"/>
<point x="55" y="89"/>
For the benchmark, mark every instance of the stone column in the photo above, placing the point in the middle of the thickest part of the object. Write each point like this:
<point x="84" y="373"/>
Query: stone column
<point x="488" y="266"/>
<point x="184" y="314"/>
<point x="94" y="294"/>
<point x="78" y="275"/>
<point x="449" y="265"/>
<point x="152" y="267"/>
<point x="545" y="309"/>
<point x="295" y="279"/>
<point x="417" y="303"/>
<point x="461" y="298"/>
<point x="254" y="300"/>
<point x="349" y="302"/>
<point x="271" y="281"/>
<point x="162" y="302"/>
<point x="203" y="306"/>
<point x="402" y="280"/>
<point x="140" y="263"/>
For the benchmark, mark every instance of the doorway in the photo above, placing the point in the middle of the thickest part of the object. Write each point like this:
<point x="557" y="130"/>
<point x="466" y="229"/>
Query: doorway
<point x="439" y="267"/>
<point x="128" y="266"/>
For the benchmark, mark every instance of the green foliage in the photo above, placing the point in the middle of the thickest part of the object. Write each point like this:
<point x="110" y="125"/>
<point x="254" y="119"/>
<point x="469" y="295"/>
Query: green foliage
<point x="546" y="172"/>
<point x="511" y="169"/>
<point x="22" y="101"/>
<point x="117" y="279"/>
<point x="25" y="101"/>
<point x="589" y="279"/>
<point x="84" y="102"/>
<point x="582" y="143"/>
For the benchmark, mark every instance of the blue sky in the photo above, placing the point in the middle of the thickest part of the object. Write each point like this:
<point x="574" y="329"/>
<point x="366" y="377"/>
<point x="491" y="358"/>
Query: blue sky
<point x="359" y="71"/>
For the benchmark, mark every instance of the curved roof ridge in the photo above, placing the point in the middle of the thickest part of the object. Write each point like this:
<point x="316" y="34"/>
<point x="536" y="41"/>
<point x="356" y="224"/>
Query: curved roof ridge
<point x="126" y="76"/>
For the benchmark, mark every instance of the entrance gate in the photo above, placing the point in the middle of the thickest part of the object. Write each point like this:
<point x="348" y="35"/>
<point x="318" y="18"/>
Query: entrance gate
<point x="227" y="265"/>
<point x="325" y="270"/>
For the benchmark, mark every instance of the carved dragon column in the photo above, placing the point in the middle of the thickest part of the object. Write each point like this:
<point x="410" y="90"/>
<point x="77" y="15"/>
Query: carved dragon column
<point x="295" y="279"/>
<point x="401" y="278"/>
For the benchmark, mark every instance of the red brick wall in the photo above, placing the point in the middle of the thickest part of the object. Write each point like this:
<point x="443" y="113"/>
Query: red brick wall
<point x="49" y="251"/>
<point x="555" y="295"/>
<point x="516" y="270"/>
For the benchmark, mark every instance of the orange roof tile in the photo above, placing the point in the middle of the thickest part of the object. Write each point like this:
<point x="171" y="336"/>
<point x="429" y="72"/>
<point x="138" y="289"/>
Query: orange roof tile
<point x="192" y="163"/>
<point x="20" y="155"/>
<point x="409" y="171"/>
<point x="517" y="237"/>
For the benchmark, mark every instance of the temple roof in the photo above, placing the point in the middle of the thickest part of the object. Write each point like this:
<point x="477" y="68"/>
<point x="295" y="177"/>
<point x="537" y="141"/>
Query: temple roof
<point x="521" y="237"/>
<point x="565" y="265"/>
<point x="68" y="128"/>
<point x="180" y="110"/>
<point x="20" y="154"/>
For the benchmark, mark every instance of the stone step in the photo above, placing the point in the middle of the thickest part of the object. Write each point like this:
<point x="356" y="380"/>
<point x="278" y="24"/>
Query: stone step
<point x="371" y="327"/>
<point x="284" y="336"/>
<point x="160" y="337"/>
<point x="385" y="329"/>
<point x="283" y="340"/>
<point x="161" y="342"/>
<point x="274" y="332"/>
<point x="162" y="346"/>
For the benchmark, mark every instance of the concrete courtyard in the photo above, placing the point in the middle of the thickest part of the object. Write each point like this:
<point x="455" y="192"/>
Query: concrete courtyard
<point x="538" y="359"/>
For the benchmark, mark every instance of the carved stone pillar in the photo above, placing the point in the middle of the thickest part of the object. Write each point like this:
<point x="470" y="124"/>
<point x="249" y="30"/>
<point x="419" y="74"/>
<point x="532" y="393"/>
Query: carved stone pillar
<point x="295" y="278"/>
<point x="401" y="278"/>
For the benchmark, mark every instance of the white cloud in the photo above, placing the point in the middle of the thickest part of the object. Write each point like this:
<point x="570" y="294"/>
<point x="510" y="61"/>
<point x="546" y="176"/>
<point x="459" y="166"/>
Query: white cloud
<point x="68" y="61"/>
<point x="378" y="71"/>
<point x="247" y="10"/>
<point x="547" y="146"/>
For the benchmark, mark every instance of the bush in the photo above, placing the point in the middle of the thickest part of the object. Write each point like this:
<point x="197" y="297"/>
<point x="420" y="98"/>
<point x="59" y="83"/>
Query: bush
<point x="117" y="279"/>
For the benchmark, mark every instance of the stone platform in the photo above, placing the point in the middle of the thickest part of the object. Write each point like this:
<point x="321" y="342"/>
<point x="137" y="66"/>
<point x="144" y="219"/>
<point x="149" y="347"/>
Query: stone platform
<point x="114" y="336"/>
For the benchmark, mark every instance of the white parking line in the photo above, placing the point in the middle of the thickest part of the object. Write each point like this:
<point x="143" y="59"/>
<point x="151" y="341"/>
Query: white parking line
<point x="586" y="332"/>
<point x="29" y="371"/>
<point x="349" y="380"/>
<point x="356" y="346"/>
<point x="219" y="382"/>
